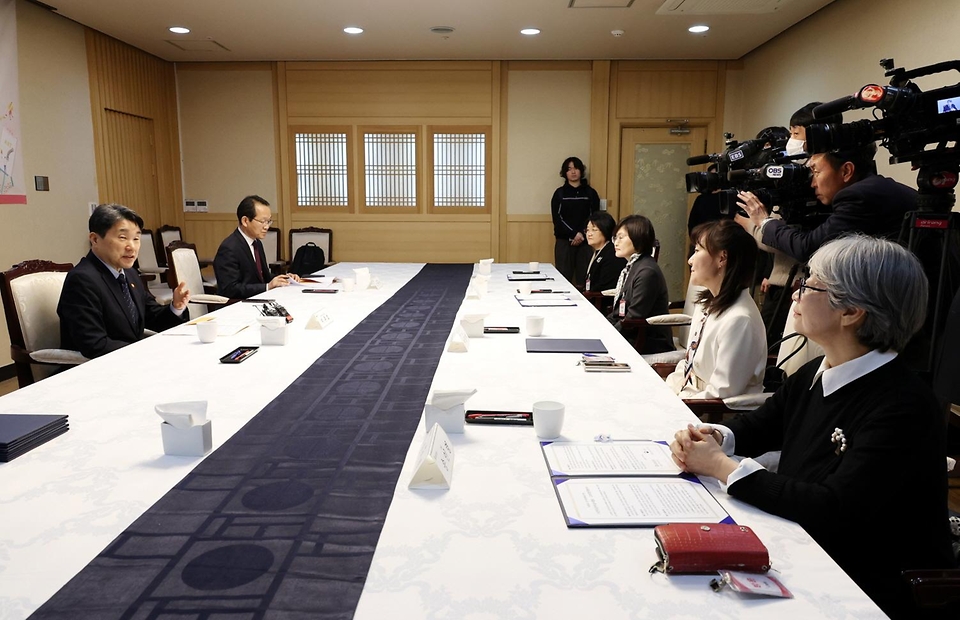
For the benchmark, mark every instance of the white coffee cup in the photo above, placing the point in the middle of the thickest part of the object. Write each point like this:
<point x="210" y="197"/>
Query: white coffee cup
<point x="534" y="325"/>
<point x="548" y="419"/>
<point x="524" y="288"/>
<point x="534" y="266"/>
<point x="348" y="284"/>
<point x="207" y="330"/>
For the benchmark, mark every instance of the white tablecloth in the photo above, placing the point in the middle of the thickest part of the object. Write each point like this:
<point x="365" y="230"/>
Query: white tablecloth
<point x="494" y="546"/>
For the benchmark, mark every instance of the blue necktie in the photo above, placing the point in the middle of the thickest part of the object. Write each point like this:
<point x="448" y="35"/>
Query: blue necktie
<point x="125" y="289"/>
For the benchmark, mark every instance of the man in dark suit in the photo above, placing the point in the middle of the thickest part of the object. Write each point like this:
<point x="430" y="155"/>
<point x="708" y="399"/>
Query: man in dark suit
<point x="241" y="264"/>
<point x="861" y="200"/>
<point x="104" y="305"/>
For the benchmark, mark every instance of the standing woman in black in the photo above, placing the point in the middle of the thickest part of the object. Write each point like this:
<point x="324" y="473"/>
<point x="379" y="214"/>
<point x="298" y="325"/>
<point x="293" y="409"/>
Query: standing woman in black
<point x="571" y="206"/>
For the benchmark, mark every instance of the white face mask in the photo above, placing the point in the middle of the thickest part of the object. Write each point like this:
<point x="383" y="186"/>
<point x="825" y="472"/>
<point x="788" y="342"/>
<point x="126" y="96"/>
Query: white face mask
<point x="795" y="147"/>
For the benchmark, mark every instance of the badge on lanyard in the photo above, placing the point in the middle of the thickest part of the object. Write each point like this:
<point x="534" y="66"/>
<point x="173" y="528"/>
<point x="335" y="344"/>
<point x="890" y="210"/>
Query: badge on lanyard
<point x="623" y="308"/>
<point x="587" y="285"/>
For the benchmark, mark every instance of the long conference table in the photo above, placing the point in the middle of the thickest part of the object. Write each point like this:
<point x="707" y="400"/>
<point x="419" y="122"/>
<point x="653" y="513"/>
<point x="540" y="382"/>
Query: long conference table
<point x="495" y="545"/>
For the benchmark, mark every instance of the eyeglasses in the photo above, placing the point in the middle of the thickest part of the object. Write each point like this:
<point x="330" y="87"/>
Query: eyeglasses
<point x="620" y="237"/>
<point x="263" y="222"/>
<point x="806" y="287"/>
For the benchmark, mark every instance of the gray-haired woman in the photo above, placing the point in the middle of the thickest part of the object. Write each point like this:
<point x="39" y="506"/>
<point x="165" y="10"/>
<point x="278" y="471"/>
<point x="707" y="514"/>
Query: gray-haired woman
<point x="862" y="466"/>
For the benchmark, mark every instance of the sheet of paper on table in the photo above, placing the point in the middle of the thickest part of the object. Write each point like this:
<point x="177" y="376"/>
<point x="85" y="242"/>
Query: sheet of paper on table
<point x="609" y="458"/>
<point x="636" y="502"/>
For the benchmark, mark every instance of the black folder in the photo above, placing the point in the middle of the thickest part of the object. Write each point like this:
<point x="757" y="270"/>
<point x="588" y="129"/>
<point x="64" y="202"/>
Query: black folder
<point x="565" y="345"/>
<point x="21" y="432"/>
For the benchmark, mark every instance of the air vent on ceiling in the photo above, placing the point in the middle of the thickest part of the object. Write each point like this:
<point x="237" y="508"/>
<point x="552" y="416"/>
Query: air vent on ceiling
<point x="720" y="7"/>
<point x="600" y="4"/>
<point x="198" y="45"/>
<point x="442" y="29"/>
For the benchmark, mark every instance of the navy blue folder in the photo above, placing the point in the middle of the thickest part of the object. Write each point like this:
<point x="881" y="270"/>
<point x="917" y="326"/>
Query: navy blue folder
<point x="565" y="345"/>
<point x="22" y="432"/>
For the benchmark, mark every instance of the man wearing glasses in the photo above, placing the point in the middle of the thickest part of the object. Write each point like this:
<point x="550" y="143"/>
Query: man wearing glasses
<point x="241" y="264"/>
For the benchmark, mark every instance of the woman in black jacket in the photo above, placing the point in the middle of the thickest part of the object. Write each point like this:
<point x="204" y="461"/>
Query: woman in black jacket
<point x="641" y="289"/>
<point x="605" y="266"/>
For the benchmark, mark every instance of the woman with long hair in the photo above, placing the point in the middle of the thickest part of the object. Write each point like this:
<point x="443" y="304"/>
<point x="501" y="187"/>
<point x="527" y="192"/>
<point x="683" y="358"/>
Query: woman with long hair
<point x="727" y="353"/>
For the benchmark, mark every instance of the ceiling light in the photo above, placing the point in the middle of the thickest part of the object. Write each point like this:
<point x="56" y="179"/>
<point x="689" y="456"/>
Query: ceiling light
<point x="530" y="31"/>
<point x="698" y="29"/>
<point x="353" y="30"/>
<point x="179" y="30"/>
<point x="442" y="29"/>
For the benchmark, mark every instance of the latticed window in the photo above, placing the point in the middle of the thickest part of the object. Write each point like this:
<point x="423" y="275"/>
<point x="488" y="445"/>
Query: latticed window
<point x="459" y="170"/>
<point x="390" y="169"/>
<point x="321" y="169"/>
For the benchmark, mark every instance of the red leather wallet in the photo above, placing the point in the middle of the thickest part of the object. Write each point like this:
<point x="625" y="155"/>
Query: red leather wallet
<point x="707" y="548"/>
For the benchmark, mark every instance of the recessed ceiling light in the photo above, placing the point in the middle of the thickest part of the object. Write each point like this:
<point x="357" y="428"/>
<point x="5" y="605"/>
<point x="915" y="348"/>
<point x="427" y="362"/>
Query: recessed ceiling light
<point x="442" y="29"/>
<point x="698" y="29"/>
<point x="530" y="31"/>
<point x="179" y="30"/>
<point x="353" y="30"/>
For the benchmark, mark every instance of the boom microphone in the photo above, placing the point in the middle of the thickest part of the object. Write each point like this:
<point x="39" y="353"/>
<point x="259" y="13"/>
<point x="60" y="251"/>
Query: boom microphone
<point x="837" y="106"/>
<point x="699" y="159"/>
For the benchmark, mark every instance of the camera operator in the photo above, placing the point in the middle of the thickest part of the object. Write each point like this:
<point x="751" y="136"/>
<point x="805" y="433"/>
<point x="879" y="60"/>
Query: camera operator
<point x="862" y="201"/>
<point x="775" y="305"/>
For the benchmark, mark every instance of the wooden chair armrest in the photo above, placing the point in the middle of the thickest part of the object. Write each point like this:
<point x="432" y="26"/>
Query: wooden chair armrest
<point x="933" y="589"/>
<point x="707" y="409"/>
<point x="663" y="370"/>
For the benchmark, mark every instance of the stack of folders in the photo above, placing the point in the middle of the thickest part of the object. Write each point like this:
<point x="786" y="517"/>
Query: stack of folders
<point x="20" y="432"/>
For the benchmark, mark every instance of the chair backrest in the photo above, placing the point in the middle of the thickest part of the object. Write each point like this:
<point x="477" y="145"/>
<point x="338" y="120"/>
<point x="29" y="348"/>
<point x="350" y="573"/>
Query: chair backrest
<point x="689" y="304"/>
<point x="31" y="292"/>
<point x="271" y="245"/>
<point x="165" y="236"/>
<point x="185" y="267"/>
<point x="809" y="351"/>
<point x="148" y="251"/>
<point x="323" y="237"/>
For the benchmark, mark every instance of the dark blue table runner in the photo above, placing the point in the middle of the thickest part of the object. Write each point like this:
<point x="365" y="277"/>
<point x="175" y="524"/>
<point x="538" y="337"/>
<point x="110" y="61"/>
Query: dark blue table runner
<point x="282" y="520"/>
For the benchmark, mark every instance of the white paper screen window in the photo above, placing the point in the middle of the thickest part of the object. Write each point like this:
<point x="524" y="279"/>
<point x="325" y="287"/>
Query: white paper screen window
<point x="390" y="165"/>
<point x="459" y="170"/>
<point x="321" y="169"/>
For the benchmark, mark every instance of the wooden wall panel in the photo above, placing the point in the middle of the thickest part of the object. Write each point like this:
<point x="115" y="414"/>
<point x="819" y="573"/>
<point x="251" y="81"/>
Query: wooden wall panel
<point x="131" y="165"/>
<point x="529" y="237"/>
<point x="207" y="230"/>
<point x="127" y="80"/>
<point x="436" y="93"/>
<point x="667" y="94"/>
<point x="410" y="241"/>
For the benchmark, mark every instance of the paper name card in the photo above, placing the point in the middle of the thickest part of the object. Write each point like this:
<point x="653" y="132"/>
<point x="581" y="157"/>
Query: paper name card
<point x="376" y="283"/>
<point x="459" y="341"/>
<point x="434" y="469"/>
<point x="319" y="319"/>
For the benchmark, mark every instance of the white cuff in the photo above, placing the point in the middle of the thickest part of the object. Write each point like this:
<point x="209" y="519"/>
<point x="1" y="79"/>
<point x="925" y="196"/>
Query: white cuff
<point x="744" y="469"/>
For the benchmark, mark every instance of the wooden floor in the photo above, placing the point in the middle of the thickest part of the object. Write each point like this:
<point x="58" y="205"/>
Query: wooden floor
<point x="10" y="385"/>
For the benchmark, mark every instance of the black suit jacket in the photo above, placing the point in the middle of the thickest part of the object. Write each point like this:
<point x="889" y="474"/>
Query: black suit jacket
<point x="93" y="318"/>
<point x="645" y="292"/>
<point x="605" y="269"/>
<point x="874" y="206"/>
<point x="237" y="271"/>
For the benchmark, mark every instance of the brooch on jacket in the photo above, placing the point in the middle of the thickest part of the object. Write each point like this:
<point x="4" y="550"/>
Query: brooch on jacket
<point x="840" y="439"/>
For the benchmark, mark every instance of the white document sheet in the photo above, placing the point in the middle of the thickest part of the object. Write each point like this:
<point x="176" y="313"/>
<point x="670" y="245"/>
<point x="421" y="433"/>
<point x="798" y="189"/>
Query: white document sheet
<point x="637" y="502"/>
<point x="612" y="458"/>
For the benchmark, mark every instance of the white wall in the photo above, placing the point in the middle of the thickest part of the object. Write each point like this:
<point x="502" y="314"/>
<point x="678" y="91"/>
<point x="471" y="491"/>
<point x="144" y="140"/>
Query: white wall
<point x="57" y="132"/>
<point x="227" y="136"/>
<point x="548" y="120"/>
<point x="836" y="51"/>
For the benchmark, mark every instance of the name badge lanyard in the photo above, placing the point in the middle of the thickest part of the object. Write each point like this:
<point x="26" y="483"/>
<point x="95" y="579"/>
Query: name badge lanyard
<point x="692" y="351"/>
